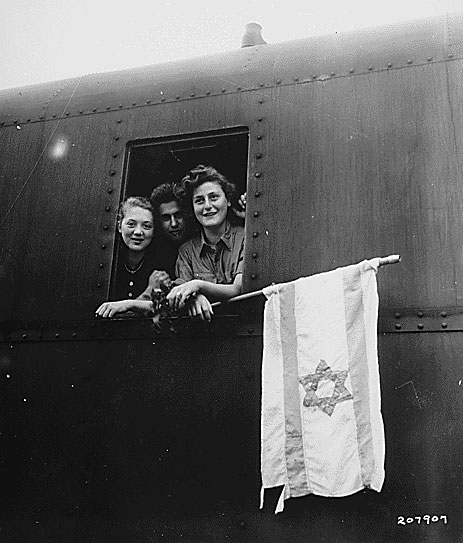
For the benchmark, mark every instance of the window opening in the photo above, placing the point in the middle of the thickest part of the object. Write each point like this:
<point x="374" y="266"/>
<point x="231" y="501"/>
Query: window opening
<point x="151" y="163"/>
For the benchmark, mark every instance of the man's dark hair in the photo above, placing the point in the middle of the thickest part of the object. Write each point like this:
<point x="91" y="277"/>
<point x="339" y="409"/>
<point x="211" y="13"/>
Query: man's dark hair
<point x="162" y="194"/>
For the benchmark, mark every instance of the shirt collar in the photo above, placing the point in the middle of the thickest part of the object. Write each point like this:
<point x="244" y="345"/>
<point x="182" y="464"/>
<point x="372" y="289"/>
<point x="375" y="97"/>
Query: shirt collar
<point x="225" y="239"/>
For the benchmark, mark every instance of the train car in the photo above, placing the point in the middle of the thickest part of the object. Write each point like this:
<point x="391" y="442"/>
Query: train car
<point x="348" y="146"/>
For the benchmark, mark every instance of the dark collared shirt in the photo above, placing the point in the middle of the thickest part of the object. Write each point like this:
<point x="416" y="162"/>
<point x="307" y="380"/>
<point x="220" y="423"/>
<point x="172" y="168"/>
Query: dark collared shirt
<point x="199" y="260"/>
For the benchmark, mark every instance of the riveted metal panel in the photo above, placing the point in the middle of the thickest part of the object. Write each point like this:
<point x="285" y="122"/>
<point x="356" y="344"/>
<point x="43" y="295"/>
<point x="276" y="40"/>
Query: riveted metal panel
<point x="370" y="167"/>
<point x="128" y="436"/>
<point x="312" y="59"/>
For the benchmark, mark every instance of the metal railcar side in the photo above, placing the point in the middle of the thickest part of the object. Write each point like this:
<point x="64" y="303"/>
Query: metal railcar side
<point x="352" y="148"/>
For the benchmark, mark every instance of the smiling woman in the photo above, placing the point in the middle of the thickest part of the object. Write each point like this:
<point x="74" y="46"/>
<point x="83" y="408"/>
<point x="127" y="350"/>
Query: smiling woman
<point x="210" y="266"/>
<point x="137" y="259"/>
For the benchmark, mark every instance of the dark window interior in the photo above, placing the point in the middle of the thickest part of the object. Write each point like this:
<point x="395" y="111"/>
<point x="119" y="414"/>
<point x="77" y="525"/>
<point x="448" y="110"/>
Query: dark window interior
<point x="166" y="160"/>
<point x="163" y="160"/>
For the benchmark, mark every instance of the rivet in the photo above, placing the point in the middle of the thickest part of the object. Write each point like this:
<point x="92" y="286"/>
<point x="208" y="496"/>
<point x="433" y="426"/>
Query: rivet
<point x="450" y="55"/>
<point x="370" y="68"/>
<point x="429" y="59"/>
<point x="114" y="155"/>
<point x="398" y="326"/>
<point x="254" y="255"/>
<point x="98" y="285"/>
<point x="94" y="109"/>
<point x="163" y="99"/>
<point x="260" y="119"/>
<point x="250" y="330"/>
<point x="134" y="103"/>
<point x="110" y="190"/>
<point x="259" y="137"/>
<point x="177" y="97"/>
<point x="397" y="315"/>
<point x="351" y="71"/>
<point x="74" y="334"/>
<point x="256" y="213"/>
<point x="148" y="101"/>
<point x="257" y="194"/>
<point x="444" y="325"/>
<point x="81" y="111"/>
<point x="192" y="94"/>
<point x="224" y="90"/>
<point x="278" y="81"/>
<point x="120" y="106"/>
<point x="261" y="84"/>
<point x="255" y="234"/>
<point x="67" y="112"/>
<point x="101" y="265"/>
<point x="443" y="314"/>
<point x="103" y="245"/>
<point x="261" y="101"/>
<point x="105" y="227"/>
<point x="207" y="92"/>
<point x="57" y="334"/>
<point x="24" y="336"/>
<point x="54" y="117"/>
<point x="108" y="108"/>
<point x="420" y="314"/>
<point x="332" y="74"/>
<point x="112" y="172"/>
<point x="296" y="79"/>
<point x="420" y="326"/>
<point x="41" y="117"/>
<point x="389" y="64"/>
<point x="119" y="121"/>
<point x="259" y="155"/>
<point x="117" y="138"/>
<point x="108" y="208"/>
<point x="314" y="76"/>
<point x="409" y="61"/>
<point x="239" y="88"/>
<point x="254" y="276"/>
<point x="257" y="174"/>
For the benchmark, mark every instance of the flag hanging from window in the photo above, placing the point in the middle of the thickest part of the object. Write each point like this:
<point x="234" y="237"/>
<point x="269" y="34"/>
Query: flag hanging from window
<point x="322" y="429"/>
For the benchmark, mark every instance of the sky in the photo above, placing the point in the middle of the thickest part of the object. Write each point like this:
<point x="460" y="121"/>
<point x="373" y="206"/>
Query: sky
<point x="49" y="40"/>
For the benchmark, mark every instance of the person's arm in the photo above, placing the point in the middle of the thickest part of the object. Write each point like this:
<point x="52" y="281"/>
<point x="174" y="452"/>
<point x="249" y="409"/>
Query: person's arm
<point x="178" y="296"/>
<point x="107" y="310"/>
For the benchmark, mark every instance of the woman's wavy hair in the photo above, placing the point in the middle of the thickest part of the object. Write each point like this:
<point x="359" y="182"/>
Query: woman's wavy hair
<point x="133" y="201"/>
<point x="196" y="177"/>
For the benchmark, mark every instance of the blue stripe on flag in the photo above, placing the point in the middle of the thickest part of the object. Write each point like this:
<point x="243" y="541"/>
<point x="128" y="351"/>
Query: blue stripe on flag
<point x="294" y="446"/>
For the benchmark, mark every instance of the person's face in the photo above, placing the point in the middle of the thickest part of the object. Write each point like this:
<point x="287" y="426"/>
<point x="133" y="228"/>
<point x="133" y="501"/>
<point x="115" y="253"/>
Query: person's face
<point x="172" y="221"/>
<point x="210" y="205"/>
<point x="136" y="228"/>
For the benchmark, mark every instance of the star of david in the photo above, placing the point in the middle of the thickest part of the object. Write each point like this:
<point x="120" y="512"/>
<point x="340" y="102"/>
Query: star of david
<point x="311" y="381"/>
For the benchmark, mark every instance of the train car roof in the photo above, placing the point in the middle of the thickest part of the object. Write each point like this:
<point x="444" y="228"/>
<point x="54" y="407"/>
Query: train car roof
<point x="299" y="61"/>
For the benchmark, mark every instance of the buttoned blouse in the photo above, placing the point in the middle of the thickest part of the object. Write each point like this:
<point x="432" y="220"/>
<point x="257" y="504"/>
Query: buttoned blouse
<point x="130" y="285"/>
<point x="220" y="264"/>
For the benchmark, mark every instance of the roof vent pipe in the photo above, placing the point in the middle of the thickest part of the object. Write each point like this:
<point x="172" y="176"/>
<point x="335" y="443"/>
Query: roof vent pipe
<point x="252" y="35"/>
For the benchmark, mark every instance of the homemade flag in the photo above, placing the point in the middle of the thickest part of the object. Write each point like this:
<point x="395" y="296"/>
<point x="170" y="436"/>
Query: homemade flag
<point x="322" y="430"/>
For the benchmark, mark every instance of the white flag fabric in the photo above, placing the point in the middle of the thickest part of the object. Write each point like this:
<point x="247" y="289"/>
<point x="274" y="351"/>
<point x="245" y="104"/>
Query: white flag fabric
<point x="321" y="423"/>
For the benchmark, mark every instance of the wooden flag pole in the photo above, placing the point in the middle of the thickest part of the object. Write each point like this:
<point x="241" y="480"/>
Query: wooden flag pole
<point x="383" y="261"/>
